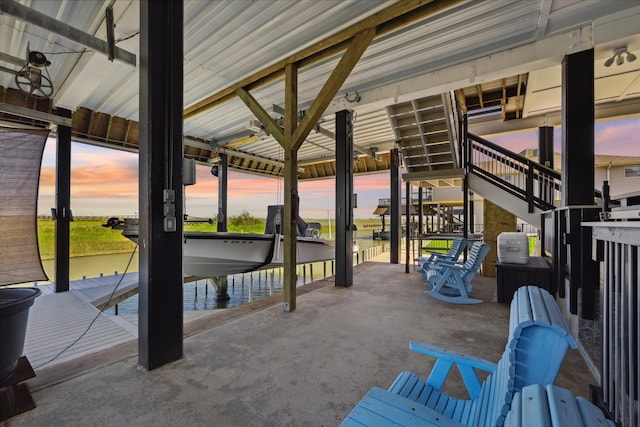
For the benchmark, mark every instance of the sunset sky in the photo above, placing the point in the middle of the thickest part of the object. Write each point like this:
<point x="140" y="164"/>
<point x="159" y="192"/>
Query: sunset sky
<point x="104" y="182"/>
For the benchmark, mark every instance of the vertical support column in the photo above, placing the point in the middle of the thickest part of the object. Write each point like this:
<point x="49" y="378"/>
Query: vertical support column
<point x="407" y="213"/>
<point x="396" y="226"/>
<point x="344" y="198"/>
<point x="578" y="129"/>
<point x="578" y="146"/>
<point x="291" y="198"/>
<point x="222" y="193"/>
<point x="545" y="157"/>
<point x="467" y="206"/>
<point x="161" y="191"/>
<point x="63" y="215"/>
<point x="545" y="146"/>
<point x="420" y="211"/>
<point x="500" y="221"/>
<point x="470" y="222"/>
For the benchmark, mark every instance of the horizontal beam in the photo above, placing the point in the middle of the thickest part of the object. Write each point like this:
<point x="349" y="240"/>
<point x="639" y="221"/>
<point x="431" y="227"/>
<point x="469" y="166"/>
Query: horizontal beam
<point x="21" y="62"/>
<point x="34" y="114"/>
<point x="326" y="132"/>
<point x="431" y="175"/>
<point x="23" y="13"/>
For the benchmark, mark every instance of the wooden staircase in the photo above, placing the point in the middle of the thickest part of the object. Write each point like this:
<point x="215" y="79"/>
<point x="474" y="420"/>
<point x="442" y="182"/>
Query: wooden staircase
<point x="426" y="138"/>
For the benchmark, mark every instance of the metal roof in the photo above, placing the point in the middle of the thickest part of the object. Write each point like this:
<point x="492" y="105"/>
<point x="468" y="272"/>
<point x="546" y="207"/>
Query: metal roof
<point x="477" y="46"/>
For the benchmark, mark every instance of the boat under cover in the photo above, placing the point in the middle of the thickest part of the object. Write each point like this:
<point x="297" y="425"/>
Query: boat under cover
<point x="214" y="254"/>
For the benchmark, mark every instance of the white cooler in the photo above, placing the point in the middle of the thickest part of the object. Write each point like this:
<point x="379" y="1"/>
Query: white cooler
<point x="513" y="248"/>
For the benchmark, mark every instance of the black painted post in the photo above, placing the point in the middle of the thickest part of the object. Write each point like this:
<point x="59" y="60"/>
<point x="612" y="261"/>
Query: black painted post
<point x="578" y="129"/>
<point x="222" y="192"/>
<point x="578" y="112"/>
<point x="545" y="146"/>
<point x="160" y="234"/>
<point x="546" y="158"/>
<point x="63" y="215"/>
<point x="396" y="226"/>
<point x="407" y="240"/>
<point x="344" y="198"/>
<point x="420" y="213"/>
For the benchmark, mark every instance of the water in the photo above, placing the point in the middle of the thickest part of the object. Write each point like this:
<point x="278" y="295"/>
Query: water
<point x="201" y="295"/>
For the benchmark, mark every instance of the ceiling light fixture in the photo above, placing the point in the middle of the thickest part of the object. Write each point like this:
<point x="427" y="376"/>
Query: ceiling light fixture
<point x="619" y="56"/>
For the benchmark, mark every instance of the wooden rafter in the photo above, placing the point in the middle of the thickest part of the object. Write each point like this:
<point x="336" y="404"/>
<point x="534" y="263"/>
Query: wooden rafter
<point x="262" y="115"/>
<point x="349" y="60"/>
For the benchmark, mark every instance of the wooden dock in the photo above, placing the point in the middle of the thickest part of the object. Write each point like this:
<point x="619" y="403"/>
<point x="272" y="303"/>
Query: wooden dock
<point x="57" y="320"/>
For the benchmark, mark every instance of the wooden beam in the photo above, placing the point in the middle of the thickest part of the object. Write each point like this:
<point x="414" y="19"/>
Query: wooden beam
<point x="270" y="125"/>
<point x="390" y="19"/>
<point x="349" y="60"/>
<point x="290" y="187"/>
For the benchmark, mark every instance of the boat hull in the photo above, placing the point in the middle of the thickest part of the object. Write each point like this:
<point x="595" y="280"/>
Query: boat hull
<point x="224" y="254"/>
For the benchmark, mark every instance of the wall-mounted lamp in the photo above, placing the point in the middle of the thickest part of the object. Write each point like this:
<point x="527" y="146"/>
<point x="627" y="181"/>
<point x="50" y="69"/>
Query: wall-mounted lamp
<point x="619" y="56"/>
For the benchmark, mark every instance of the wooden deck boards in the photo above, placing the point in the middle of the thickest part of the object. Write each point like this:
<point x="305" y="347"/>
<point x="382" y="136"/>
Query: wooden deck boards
<point x="57" y="320"/>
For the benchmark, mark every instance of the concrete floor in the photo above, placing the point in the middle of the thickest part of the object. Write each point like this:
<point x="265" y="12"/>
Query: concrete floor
<point x="258" y="366"/>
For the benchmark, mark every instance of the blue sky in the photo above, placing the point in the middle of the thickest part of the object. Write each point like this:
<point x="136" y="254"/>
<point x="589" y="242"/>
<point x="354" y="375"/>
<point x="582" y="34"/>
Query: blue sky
<point x="105" y="182"/>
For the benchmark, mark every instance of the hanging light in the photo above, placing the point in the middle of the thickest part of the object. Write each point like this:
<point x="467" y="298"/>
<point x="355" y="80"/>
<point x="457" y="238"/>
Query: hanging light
<point x="619" y="56"/>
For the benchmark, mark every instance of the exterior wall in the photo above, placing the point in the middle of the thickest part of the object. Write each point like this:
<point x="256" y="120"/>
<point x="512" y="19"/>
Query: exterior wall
<point x="447" y="194"/>
<point x="497" y="220"/>
<point x="618" y="183"/>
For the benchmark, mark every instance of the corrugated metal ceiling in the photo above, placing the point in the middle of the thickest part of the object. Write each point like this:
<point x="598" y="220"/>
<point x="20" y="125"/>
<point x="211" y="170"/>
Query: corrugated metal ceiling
<point x="228" y="40"/>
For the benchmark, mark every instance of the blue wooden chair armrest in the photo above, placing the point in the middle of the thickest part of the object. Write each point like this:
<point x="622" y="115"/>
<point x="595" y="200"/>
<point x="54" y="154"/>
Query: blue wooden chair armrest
<point x="381" y="407"/>
<point x="445" y="359"/>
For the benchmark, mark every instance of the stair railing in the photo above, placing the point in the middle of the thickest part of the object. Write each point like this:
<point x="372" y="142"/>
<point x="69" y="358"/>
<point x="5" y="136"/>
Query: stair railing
<point x="525" y="179"/>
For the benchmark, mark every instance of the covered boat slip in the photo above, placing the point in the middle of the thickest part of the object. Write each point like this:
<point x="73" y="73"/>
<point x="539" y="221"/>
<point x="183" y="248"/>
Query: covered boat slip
<point x="265" y="367"/>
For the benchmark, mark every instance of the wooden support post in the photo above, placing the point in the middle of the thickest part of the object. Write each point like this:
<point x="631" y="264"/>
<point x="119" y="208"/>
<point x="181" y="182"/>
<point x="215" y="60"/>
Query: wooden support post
<point x="290" y="186"/>
<point x="222" y="192"/>
<point x="292" y="137"/>
<point x="396" y="227"/>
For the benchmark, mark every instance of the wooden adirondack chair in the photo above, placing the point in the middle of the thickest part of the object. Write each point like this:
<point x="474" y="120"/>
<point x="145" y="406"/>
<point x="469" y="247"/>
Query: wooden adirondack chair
<point x="457" y="246"/>
<point x="452" y="281"/>
<point x="538" y="341"/>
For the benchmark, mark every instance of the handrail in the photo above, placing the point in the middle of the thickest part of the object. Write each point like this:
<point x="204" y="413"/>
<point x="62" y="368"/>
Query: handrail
<point x="514" y="156"/>
<point x="531" y="182"/>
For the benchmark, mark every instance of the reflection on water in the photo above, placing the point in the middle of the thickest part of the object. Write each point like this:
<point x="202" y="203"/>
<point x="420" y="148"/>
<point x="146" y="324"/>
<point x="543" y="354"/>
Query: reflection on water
<point x="201" y="295"/>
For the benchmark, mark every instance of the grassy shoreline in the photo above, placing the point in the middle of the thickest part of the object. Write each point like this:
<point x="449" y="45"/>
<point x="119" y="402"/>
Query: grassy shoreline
<point x="88" y="237"/>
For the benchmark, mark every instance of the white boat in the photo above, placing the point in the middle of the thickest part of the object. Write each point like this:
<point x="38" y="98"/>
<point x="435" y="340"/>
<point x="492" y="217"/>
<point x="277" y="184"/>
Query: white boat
<point x="221" y="254"/>
<point x="213" y="254"/>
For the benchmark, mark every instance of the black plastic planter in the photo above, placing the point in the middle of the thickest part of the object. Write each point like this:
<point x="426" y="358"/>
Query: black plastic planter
<point x="14" y="313"/>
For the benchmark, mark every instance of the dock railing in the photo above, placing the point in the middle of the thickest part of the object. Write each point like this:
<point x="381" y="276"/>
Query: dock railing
<point x="619" y="244"/>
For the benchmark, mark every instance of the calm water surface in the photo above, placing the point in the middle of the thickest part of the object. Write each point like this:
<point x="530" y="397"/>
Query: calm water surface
<point x="201" y="295"/>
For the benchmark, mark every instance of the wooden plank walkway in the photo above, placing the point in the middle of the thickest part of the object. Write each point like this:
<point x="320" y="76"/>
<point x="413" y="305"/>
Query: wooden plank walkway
<point x="57" y="320"/>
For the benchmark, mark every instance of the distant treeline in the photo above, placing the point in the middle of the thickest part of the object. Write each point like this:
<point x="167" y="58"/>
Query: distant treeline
<point x="88" y="237"/>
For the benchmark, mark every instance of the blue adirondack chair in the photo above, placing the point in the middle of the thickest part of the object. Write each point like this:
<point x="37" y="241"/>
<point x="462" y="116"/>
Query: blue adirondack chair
<point x="457" y="246"/>
<point x="452" y="281"/>
<point x="538" y="341"/>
